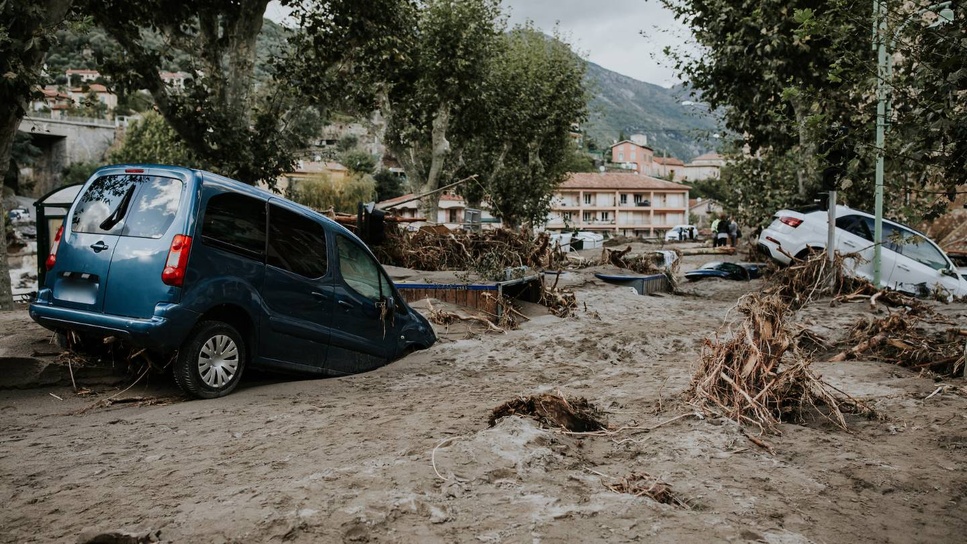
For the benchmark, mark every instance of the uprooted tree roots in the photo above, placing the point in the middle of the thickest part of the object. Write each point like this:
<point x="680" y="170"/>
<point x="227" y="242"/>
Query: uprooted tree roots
<point x="757" y="375"/>
<point x="898" y="339"/>
<point x="554" y="411"/>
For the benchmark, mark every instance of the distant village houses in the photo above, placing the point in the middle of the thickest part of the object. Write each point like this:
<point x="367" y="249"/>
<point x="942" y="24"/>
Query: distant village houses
<point x="635" y="155"/>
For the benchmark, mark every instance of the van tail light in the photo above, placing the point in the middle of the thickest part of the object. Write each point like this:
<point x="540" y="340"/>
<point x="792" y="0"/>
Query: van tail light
<point x="177" y="263"/>
<point x="52" y="256"/>
<point x="791" y="221"/>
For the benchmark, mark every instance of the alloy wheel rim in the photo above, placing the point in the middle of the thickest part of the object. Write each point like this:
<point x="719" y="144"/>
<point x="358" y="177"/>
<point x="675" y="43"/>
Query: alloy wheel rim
<point x="218" y="361"/>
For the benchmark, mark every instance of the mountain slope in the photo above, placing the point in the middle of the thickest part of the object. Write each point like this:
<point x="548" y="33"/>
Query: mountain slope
<point x="620" y="104"/>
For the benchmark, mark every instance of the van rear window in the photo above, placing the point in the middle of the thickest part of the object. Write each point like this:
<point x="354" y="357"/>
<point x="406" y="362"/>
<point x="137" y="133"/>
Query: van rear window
<point x="129" y="205"/>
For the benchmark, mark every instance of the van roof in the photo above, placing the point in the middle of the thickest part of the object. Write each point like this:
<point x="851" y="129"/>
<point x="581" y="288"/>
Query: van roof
<point x="218" y="179"/>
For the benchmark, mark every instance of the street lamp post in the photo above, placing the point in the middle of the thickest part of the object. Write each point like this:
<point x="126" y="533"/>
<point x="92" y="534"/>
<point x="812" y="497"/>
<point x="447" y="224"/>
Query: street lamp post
<point x="884" y="79"/>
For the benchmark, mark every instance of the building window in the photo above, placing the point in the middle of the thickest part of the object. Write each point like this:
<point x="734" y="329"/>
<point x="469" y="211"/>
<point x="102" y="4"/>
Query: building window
<point x="632" y="157"/>
<point x="587" y="199"/>
<point x="638" y="198"/>
<point x="623" y="199"/>
<point x="566" y="216"/>
<point x="621" y="157"/>
<point x="605" y="216"/>
<point x="587" y="217"/>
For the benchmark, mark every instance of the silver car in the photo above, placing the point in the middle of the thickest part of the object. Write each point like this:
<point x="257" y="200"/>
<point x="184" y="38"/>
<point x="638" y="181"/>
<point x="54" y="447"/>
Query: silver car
<point x="909" y="261"/>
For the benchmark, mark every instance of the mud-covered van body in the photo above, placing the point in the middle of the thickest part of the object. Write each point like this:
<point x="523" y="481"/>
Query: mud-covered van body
<point x="224" y="275"/>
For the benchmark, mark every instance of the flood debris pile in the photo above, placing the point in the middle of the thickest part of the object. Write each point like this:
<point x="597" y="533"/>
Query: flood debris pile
<point x="900" y="339"/>
<point x="642" y="484"/>
<point x="508" y="318"/>
<point x="648" y="263"/>
<point x="757" y="375"/>
<point x="555" y="412"/>
<point x="489" y="253"/>
<point x="560" y="301"/>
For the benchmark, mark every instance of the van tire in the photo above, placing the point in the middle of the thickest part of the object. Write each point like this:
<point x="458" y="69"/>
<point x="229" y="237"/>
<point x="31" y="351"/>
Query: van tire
<point x="210" y="342"/>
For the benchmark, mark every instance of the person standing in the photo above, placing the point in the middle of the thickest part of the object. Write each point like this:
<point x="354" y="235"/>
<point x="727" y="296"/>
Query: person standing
<point x="722" y="232"/>
<point x="715" y="232"/>
<point x="733" y="232"/>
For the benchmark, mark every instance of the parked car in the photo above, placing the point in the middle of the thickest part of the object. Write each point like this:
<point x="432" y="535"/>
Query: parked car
<point x="910" y="262"/>
<point x="725" y="270"/>
<point x="681" y="232"/>
<point x="224" y="275"/>
<point x="18" y="215"/>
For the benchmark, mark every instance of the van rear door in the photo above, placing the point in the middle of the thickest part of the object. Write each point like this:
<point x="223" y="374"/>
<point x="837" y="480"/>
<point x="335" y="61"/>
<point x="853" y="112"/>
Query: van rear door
<point x="134" y="285"/>
<point x="80" y="274"/>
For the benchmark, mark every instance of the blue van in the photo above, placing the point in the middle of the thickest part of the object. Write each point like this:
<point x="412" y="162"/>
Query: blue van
<point x="222" y="275"/>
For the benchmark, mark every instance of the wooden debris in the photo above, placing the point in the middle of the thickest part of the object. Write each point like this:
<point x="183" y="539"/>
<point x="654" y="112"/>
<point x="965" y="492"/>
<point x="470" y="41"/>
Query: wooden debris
<point x="898" y="338"/>
<point x="489" y="253"/>
<point x="553" y="411"/>
<point x="642" y="484"/>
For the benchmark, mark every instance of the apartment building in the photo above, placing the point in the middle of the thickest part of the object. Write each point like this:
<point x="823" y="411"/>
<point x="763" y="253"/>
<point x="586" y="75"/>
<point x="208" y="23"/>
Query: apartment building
<point x="618" y="204"/>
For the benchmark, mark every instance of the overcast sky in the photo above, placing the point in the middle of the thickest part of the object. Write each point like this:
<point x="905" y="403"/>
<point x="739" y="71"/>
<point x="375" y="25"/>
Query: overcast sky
<point x="625" y="36"/>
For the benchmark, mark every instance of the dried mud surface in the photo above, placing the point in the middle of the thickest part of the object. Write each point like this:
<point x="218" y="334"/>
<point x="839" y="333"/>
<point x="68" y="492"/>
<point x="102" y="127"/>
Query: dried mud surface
<point x="405" y="453"/>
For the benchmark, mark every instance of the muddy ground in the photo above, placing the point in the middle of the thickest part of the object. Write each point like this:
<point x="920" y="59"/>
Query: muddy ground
<point x="405" y="453"/>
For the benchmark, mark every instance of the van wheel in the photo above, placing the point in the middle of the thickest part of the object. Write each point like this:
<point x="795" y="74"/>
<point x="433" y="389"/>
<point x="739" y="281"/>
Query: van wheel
<point x="211" y="360"/>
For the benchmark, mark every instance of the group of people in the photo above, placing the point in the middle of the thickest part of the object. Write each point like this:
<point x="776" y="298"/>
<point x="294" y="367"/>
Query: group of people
<point x="726" y="231"/>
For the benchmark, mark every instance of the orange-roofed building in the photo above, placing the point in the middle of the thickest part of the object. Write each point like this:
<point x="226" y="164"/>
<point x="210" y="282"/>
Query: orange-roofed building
<point x="618" y="204"/>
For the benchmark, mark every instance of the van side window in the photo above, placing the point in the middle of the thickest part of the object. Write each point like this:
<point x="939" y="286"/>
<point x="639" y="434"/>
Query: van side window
<point x="360" y="271"/>
<point x="296" y="243"/>
<point x="235" y="223"/>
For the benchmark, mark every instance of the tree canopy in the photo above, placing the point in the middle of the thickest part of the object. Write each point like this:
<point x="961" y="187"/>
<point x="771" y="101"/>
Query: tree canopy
<point x="814" y="74"/>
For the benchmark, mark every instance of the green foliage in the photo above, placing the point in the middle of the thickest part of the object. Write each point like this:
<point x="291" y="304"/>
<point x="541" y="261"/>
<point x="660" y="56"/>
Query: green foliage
<point x="78" y="172"/>
<point x="246" y="132"/>
<point x="347" y="143"/>
<point x="578" y="161"/>
<point x="152" y="140"/>
<point x="814" y="71"/>
<point x="322" y="193"/>
<point x="388" y="185"/>
<point x="357" y="161"/>
<point x="523" y="147"/>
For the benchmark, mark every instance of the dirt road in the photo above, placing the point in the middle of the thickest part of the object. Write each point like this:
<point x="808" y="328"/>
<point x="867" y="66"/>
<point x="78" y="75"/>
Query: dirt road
<point x="405" y="454"/>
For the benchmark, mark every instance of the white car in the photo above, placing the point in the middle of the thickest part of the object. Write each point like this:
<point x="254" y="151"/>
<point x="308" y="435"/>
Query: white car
<point x="681" y="232"/>
<point x="909" y="261"/>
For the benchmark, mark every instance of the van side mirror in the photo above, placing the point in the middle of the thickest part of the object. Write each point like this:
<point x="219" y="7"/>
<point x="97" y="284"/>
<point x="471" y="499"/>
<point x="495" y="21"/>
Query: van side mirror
<point x="387" y="307"/>
<point x="949" y="272"/>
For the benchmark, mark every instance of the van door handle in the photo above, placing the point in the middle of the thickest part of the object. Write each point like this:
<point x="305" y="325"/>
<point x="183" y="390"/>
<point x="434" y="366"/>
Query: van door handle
<point x="903" y="267"/>
<point x="99" y="246"/>
<point x="848" y="243"/>
<point x="318" y="296"/>
<point x="345" y="304"/>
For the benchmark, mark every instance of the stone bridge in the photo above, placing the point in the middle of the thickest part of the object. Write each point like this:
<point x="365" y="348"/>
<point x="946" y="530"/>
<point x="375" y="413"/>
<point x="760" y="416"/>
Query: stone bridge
<point x="64" y="141"/>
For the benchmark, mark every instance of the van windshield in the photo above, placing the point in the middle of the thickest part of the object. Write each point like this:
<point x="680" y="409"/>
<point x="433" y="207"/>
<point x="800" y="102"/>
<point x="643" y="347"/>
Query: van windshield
<point x="130" y="205"/>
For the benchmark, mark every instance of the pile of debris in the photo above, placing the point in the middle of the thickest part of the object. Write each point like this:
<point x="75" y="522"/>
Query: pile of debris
<point x="489" y="253"/>
<point x="555" y="412"/>
<point x="899" y="339"/>
<point x="757" y="374"/>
